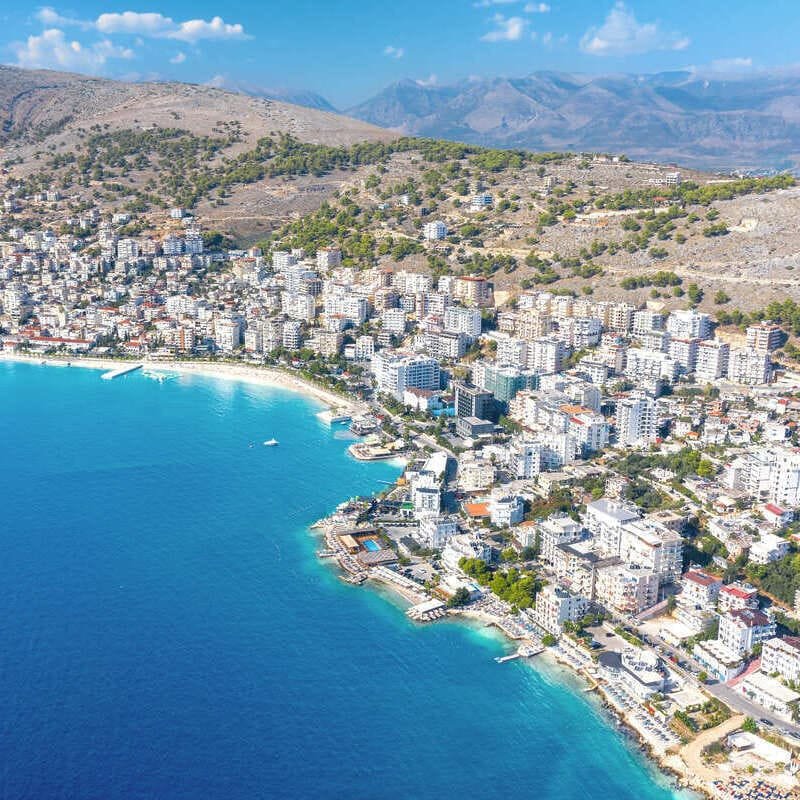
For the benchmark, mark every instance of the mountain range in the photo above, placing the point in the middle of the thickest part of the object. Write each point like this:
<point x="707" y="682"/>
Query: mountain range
<point x="702" y="121"/>
<point x="697" y="120"/>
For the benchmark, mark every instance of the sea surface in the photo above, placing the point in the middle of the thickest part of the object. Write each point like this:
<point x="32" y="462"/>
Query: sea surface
<point x="166" y="630"/>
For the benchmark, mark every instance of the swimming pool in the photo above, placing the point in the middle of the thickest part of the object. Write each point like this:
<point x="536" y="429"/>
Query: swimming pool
<point x="371" y="545"/>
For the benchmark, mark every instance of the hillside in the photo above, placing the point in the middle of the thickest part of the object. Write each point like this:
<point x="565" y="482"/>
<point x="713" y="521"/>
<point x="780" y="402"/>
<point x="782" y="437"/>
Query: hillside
<point x="40" y="103"/>
<point x="263" y="171"/>
<point x="701" y="121"/>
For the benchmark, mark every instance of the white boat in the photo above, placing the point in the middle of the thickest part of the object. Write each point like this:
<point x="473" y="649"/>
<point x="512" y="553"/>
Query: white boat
<point x="270" y="443"/>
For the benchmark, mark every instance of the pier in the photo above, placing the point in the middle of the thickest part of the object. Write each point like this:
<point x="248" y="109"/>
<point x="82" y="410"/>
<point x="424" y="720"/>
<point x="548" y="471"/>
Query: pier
<point x="428" y="611"/>
<point x="524" y="651"/>
<point x="334" y="416"/>
<point x="120" y="371"/>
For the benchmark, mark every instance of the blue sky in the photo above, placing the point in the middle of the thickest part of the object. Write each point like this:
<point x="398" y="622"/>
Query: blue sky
<point x="348" y="50"/>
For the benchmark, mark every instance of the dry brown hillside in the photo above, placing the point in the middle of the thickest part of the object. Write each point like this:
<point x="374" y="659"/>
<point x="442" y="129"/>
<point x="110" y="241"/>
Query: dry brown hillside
<point x="39" y="105"/>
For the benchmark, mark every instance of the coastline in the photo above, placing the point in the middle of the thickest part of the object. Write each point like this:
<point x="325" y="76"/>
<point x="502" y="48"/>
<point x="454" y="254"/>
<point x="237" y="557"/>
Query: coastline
<point x="669" y="765"/>
<point x="271" y="377"/>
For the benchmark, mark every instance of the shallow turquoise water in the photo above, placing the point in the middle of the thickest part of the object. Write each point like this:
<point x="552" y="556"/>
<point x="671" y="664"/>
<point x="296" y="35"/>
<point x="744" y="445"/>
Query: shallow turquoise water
<point x="167" y="632"/>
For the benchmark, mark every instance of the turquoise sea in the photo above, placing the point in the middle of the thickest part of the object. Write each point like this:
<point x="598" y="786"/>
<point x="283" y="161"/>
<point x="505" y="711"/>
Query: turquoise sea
<point x="166" y="630"/>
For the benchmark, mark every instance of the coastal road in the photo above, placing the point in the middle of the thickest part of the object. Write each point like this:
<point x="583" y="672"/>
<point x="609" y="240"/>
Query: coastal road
<point x="740" y="703"/>
<point x="727" y="694"/>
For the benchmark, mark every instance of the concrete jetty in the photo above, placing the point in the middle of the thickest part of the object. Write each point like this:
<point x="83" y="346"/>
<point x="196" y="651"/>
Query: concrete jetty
<point x="116" y="373"/>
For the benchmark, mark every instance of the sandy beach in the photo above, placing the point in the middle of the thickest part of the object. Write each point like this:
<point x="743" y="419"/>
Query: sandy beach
<point x="246" y="373"/>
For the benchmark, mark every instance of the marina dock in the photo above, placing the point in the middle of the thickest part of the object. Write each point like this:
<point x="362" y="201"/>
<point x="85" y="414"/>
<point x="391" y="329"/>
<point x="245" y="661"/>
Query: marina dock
<point x="120" y="371"/>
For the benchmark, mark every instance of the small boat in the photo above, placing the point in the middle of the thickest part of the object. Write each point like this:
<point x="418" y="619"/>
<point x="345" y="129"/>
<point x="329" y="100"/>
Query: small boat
<point x="270" y="443"/>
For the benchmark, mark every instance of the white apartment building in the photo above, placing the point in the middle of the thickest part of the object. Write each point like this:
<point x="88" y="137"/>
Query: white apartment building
<point x="737" y="597"/>
<point x="546" y="354"/>
<point x="646" y="321"/>
<point x="526" y="459"/>
<point x="768" y="548"/>
<point x="650" y="365"/>
<point x="465" y="545"/>
<point x="458" y="319"/>
<point x="579" y="332"/>
<point x="626" y="589"/>
<point x="128" y="250"/>
<point x="475" y="472"/>
<point x="512" y="352"/>
<point x="764" y="336"/>
<point x="292" y="338"/>
<point x="590" y="431"/>
<point x="636" y="420"/>
<point x="506" y="510"/>
<point x="435" y="531"/>
<point x="604" y="519"/>
<point x="712" y="360"/>
<point x="782" y="656"/>
<point x="353" y="308"/>
<point x="227" y="334"/>
<point x="651" y="545"/>
<point x="283" y="260"/>
<point x="393" y="320"/>
<point x="697" y="601"/>
<point x="328" y="258"/>
<point x="298" y="306"/>
<point x="172" y="245"/>
<point x="412" y="282"/>
<point x="364" y="348"/>
<point x="555" y="606"/>
<point x="689" y="324"/>
<point x="749" y="366"/>
<point x="700" y="590"/>
<point x="768" y="474"/>
<point x="555" y="531"/>
<point x="434" y="231"/>
<point x="740" y="631"/>
<point x="684" y="352"/>
<point x="397" y="371"/>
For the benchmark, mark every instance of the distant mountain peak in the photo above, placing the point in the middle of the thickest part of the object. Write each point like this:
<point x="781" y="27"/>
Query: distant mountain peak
<point x="704" y="118"/>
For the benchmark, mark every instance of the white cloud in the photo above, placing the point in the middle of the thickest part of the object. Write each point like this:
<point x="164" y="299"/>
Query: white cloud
<point x="132" y="22"/>
<point x="621" y="34"/>
<point x="178" y="58"/>
<point x="52" y="50"/>
<point x="547" y="39"/>
<point x="50" y="18"/>
<point x="394" y="52"/>
<point x="194" y="30"/>
<point x="506" y="29"/>
<point x="537" y="8"/>
<point x="158" y="26"/>
<point x="431" y="80"/>
<point x="737" y="64"/>
<point x="149" y="24"/>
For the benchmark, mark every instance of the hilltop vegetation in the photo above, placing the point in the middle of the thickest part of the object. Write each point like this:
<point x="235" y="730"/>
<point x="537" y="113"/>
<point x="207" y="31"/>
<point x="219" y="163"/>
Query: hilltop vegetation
<point x="259" y="171"/>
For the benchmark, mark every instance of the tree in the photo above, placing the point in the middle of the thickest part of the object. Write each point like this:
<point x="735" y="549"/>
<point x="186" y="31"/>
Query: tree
<point x="722" y="297"/>
<point x="460" y="598"/>
<point x="749" y="725"/>
<point x="702" y="676"/>
<point x="548" y="640"/>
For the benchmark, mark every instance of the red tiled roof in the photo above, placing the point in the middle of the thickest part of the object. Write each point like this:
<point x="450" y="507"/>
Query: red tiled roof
<point x="700" y="577"/>
<point x="737" y="592"/>
<point x="476" y="509"/>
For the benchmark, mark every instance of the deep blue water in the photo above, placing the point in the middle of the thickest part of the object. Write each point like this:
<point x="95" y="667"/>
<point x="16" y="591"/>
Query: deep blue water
<point x="166" y="630"/>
